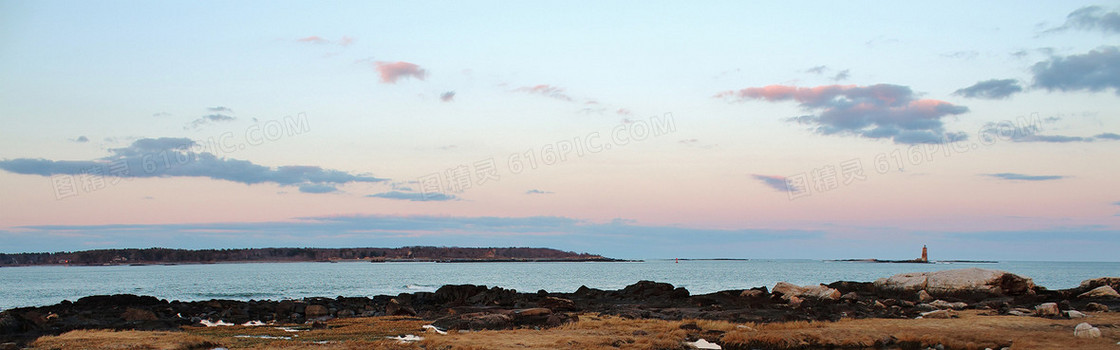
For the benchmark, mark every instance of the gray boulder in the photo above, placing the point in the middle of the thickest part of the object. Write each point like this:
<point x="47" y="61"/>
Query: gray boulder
<point x="1047" y="310"/>
<point x="1085" y="330"/>
<point x="961" y="281"/>
<point x="1100" y="292"/>
<point x="820" y="292"/>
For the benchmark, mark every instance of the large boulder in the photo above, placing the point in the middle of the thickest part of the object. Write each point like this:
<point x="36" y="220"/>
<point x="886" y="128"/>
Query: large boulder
<point x="134" y="314"/>
<point x="1113" y="282"/>
<point x="396" y="308"/>
<point x="557" y="304"/>
<point x="649" y="289"/>
<point x="820" y="292"/>
<point x="1087" y="331"/>
<point x="937" y="314"/>
<point x="944" y="305"/>
<point x="1047" y="310"/>
<point x="956" y="282"/>
<point x="1100" y="292"/>
<point x="458" y="294"/>
<point x="475" y="321"/>
<point x="313" y="311"/>
<point x="496" y="319"/>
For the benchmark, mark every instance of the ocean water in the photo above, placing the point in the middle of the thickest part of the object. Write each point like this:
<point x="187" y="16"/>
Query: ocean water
<point x="45" y="285"/>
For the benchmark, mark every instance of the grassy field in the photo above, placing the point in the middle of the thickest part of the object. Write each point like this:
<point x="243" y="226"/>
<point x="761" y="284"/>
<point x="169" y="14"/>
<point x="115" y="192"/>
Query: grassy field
<point x="972" y="329"/>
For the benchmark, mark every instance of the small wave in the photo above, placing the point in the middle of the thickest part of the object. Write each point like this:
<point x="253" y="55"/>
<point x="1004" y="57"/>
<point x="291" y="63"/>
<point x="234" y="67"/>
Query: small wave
<point x="420" y="287"/>
<point x="234" y="295"/>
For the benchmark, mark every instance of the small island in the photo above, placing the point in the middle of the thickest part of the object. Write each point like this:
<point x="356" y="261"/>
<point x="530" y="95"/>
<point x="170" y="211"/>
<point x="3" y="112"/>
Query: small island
<point x="165" y="256"/>
<point x="922" y="260"/>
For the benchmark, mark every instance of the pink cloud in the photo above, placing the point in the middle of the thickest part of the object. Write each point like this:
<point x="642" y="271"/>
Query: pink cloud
<point x="623" y="111"/>
<point x="313" y="40"/>
<point x="318" y="40"/>
<point x="447" y="96"/>
<point x="391" y="71"/>
<point x="547" y="91"/>
<point x="880" y="111"/>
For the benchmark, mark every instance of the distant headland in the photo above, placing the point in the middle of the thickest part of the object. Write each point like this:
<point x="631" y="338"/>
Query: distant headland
<point x="166" y="256"/>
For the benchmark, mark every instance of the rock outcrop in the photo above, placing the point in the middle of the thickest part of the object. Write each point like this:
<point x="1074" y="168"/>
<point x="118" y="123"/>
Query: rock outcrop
<point x="1047" y="310"/>
<point x="971" y="281"/>
<point x="482" y="307"/>
<point x="821" y="292"/>
<point x="1113" y="282"/>
<point x="1100" y="292"/>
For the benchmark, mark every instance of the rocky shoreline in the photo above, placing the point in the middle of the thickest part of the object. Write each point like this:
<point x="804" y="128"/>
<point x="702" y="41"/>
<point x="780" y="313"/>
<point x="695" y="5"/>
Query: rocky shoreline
<point x="928" y="295"/>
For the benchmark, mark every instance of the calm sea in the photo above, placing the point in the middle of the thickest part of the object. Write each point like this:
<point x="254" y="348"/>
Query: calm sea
<point x="45" y="285"/>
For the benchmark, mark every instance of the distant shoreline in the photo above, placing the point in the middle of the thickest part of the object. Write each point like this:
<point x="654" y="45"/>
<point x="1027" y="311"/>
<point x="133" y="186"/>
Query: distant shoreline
<point x="455" y="261"/>
<point x="165" y="256"/>
<point x="916" y="261"/>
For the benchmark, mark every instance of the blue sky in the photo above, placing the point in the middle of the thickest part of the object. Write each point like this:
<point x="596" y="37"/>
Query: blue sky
<point x="721" y="128"/>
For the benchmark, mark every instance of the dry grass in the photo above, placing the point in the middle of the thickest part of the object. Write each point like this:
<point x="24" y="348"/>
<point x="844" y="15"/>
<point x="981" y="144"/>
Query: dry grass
<point x="86" y="339"/>
<point x="349" y="333"/>
<point x="591" y="332"/>
<point x="972" y="330"/>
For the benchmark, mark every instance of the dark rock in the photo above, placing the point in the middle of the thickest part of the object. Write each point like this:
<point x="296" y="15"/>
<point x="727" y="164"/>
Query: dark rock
<point x="530" y="317"/>
<point x="133" y="314"/>
<point x="474" y="321"/>
<point x="557" y="304"/>
<point x="558" y="319"/>
<point x="754" y="293"/>
<point x="316" y="311"/>
<point x="1096" y="307"/>
<point x="679" y="293"/>
<point x="458" y="294"/>
<point x="846" y="287"/>
<point x="395" y="308"/>
<point x="9" y="324"/>
<point x="647" y="289"/>
<point x="116" y="300"/>
<point x="34" y="317"/>
<point x="493" y="297"/>
<point x="1064" y="305"/>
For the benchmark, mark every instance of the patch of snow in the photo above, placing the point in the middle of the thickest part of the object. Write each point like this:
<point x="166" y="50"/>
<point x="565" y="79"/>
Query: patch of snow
<point x="703" y="344"/>
<point x="262" y="337"/>
<point x="431" y="328"/>
<point x="408" y="338"/>
<point x="207" y="323"/>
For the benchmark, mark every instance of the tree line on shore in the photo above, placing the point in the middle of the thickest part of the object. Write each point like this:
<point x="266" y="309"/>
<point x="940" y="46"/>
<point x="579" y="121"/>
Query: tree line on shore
<point x="166" y="255"/>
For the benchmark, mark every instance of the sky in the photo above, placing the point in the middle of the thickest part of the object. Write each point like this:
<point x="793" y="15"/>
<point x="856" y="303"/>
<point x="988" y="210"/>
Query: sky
<point x="817" y="130"/>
